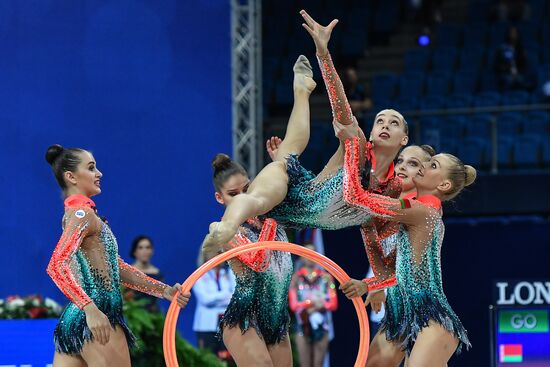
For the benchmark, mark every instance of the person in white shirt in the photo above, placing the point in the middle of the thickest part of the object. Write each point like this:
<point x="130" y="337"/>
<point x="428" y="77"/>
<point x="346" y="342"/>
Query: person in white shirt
<point x="213" y="292"/>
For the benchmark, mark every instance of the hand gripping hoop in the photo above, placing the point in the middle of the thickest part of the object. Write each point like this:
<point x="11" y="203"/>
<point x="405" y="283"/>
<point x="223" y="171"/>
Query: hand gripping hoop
<point x="169" y="335"/>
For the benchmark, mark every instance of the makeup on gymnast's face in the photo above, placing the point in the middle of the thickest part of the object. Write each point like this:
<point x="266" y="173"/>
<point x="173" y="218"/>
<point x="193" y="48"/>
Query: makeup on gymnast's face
<point x="389" y="129"/>
<point x="433" y="173"/>
<point x="87" y="178"/>
<point x="407" y="166"/>
<point x="233" y="186"/>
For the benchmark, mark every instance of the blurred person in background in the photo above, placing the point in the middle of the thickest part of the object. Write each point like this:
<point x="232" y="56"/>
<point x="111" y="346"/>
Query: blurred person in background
<point x="358" y="100"/>
<point x="312" y="296"/>
<point x="142" y="251"/>
<point x="511" y="63"/>
<point x="213" y="292"/>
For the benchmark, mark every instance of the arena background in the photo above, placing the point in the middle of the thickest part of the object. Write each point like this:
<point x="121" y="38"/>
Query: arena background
<point x="146" y="86"/>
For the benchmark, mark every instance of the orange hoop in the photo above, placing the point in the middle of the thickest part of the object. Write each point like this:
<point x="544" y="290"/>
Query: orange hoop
<point x="169" y="334"/>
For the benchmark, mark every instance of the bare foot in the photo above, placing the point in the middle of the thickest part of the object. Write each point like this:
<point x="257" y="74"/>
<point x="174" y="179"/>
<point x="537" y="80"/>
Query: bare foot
<point x="303" y="76"/>
<point x="220" y="234"/>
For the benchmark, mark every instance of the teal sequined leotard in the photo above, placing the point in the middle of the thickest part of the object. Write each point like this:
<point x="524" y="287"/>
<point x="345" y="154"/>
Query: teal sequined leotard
<point x="315" y="202"/>
<point x="86" y="267"/>
<point x="324" y="203"/>
<point x="260" y="300"/>
<point x="418" y="297"/>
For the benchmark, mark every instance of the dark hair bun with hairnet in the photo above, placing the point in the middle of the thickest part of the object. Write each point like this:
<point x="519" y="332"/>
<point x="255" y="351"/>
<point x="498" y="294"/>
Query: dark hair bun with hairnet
<point x="53" y="152"/>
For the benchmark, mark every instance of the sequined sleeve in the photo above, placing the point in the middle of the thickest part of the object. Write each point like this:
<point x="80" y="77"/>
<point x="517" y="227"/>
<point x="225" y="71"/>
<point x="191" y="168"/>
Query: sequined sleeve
<point x="354" y="194"/>
<point x="341" y="110"/>
<point x="256" y="260"/>
<point x="379" y="206"/>
<point x="381" y="260"/>
<point x="331" y="303"/>
<point x="133" y="278"/>
<point x="295" y="304"/>
<point x="79" y="222"/>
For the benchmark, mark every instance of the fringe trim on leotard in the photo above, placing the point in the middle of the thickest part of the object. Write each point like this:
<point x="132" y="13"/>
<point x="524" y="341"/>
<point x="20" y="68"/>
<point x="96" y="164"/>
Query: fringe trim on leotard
<point x="404" y="326"/>
<point x="70" y="339"/>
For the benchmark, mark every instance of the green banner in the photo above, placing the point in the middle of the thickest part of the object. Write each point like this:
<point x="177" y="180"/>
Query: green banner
<point x="523" y="321"/>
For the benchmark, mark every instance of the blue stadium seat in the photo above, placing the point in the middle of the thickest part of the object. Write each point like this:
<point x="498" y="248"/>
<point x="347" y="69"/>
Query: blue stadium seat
<point x="527" y="151"/>
<point x="478" y="10"/>
<point x="532" y="54"/>
<point x="417" y="59"/>
<point x="432" y="102"/>
<point x="546" y="152"/>
<point x="354" y="44"/>
<point x="509" y="124"/>
<point x="383" y="86"/>
<point x="448" y="35"/>
<point x="459" y="100"/>
<point x="516" y="97"/>
<point x="358" y="20"/>
<point x="478" y="126"/>
<point x="409" y="103"/>
<point x="387" y="16"/>
<point x="464" y="82"/>
<point x="505" y="148"/>
<point x="429" y="131"/>
<point x="471" y="58"/>
<point x="438" y="84"/>
<point x="546" y="53"/>
<point x="546" y="33"/>
<point x="473" y="151"/>
<point x="411" y="85"/>
<point x="498" y="33"/>
<point x="444" y="59"/>
<point x="486" y="99"/>
<point x="474" y="35"/>
<point x="537" y="123"/>
<point x="528" y="32"/>
<point x="488" y="82"/>
<point x="453" y="126"/>
<point x="537" y="10"/>
<point x="448" y="144"/>
<point x="283" y="93"/>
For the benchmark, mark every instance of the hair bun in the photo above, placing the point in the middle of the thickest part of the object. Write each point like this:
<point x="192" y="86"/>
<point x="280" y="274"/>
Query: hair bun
<point x="470" y="173"/>
<point x="428" y="149"/>
<point x="220" y="162"/>
<point x="53" y="152"/>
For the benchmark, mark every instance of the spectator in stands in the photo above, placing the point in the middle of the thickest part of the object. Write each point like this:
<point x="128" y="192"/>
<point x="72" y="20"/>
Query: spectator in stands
<point x="511" y="62"/>
<point x="213" y="292"/>
<point x="357" y="96"/>
<point x="142" y="252"/>
<point x="312" y="296"/>
<point x="512" y="10"/>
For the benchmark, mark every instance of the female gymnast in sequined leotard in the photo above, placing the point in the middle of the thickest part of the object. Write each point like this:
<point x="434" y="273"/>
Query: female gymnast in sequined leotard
<point x="381" y="254"/>
<point x="86" y="267"/>
<point x="296" y="197"/>
<point x="419" y="320"/>
<point x="254" y="326"/>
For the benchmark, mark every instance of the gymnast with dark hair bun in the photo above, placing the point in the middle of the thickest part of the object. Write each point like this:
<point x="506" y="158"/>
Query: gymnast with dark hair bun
<point x="87" y="268"/>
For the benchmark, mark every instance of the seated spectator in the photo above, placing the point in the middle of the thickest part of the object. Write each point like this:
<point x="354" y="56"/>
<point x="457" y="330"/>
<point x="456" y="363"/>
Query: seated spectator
<point x="511" y="63"/>
<point x="356" y="93"/>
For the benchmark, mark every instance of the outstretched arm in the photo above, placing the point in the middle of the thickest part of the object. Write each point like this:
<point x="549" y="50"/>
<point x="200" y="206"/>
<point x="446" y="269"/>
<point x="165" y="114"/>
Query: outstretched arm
<point x="395" y="210"/>
<point x="132" y="277"/>
<point x="341" y="109"/>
